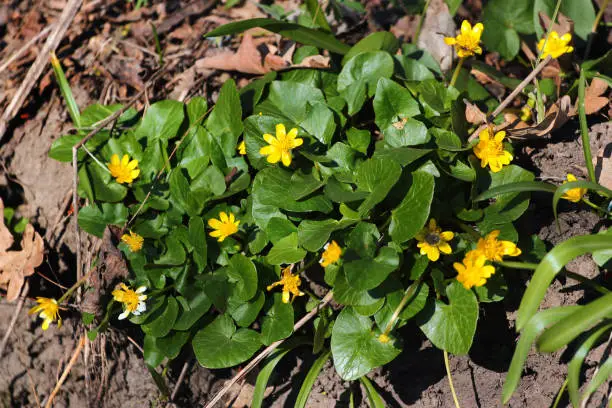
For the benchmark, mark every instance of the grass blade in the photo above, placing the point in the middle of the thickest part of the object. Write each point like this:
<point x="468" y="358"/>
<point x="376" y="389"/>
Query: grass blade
<point x="318" y="15"/>
<point x="552" y="263"/>
<point x="584" y="129"/>
<point x="562" y="189"/>
<point x="519" y="187"/>
<point x="309" y="381"/>
<point x="603" y="373"/>
<point x="532" y="330"/>
<point x="571" y="327"/>
<point x="575" y="365"/>
<point x="60" y="77"/>
<point x="376" y="401"/>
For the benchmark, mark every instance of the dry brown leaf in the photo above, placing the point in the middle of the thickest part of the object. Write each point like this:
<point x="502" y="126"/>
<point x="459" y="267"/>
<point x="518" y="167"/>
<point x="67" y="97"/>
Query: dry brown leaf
<point x="16" y="265"/>
<point x="437" y="25"/>
<point x="593" y="101"/>
<point x="565" y="25"/>
<point x="6" y="238"/>
<point x="515" y="121"/>
<point x="473" y="114"/>
<point x="400" y="124"/>
<point x="556" y="117"/>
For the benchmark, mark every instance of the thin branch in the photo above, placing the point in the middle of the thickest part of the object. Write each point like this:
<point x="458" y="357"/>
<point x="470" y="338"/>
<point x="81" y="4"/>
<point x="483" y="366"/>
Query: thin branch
<point x="24" y="294"/>
<point x="181" y="377"/>
<point x="253" y="363"/>
<point x="26" y="47"/>
<point x="73" y="360"/>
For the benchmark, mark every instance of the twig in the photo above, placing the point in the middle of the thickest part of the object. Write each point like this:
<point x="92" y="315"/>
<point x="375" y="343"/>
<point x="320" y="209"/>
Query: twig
<point x="73" y="360"/>
<point x="26" y="46"/>
<point x="181" y="377"/>
<point x="267" y="351"/>
<point x="39" y="64"/>
<point x="512" y="95"/>
<point x="24" y="294"/>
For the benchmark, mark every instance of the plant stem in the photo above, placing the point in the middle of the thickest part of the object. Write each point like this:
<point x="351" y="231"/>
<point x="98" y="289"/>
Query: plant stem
<point x="415" y="39"/>
<point x="584" y="129"/>
<point x="450" y="379"/>
<point x="519" y="265"/>
<point x="603" y="7"/>
<point x="74" y="287"/>
<point x="456" y="73"/>
<point x="560" y="394"/>
<point x="552" y="22"/>
<point x="407" y="295"/>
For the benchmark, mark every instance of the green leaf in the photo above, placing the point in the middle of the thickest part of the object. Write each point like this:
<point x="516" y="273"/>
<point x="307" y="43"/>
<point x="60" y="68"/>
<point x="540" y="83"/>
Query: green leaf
<point x="181" y="194"/>
<point x="197" y="107"/>
<point x="197" y="238"/>
<point x="573" y="325"/>
<point x="312" y="235"/>
<point x="309" y="380"/>
<point x="318" y="14"/>
<point x="581" y="12"/>
<point x="401" y="155"/>
<point x="194" y="152"/>
<point x="416" y="302"/>
<point x="198" y="302"/>
<point x="603" y="374"/>
<point x="378" y="41"/>
<point x="364" y="274"/>
<point x="319" y="122"/>
<point x="394" y="107"/>
<point x="153" y="356"/>
<point x="518" y="187"/>
<point x="412" y="213"/>
<point x="377" y="176"/>
<point x="172" y="343"/>
<point x="355" y="346"/>
<point x="374" y="398"/>
<point x="552" y="263"/>
<point x="503" y="20"/>
<point x="359" y="139"/>
<point x="95" y="113"/>
<point x="562" y="189"/>
<point x="220" y="345"/>
<point x="225" y="120"/>
<point x="296" y="32"/>
<point x="162" y="121"/>
<point x="294" y="108"/>
<point x="94" y="219"/>
<point x="531" y="331"/>
<point x="105" y="188"/>
<point x="161" y="321"/>
<point x="278" y="322"/>
<point x="243" y="270"/>
<point x="286" y="251"/>
<point x="368" y="68"/>
<point x="245" y="313"/>
<point x="452" y="326"/>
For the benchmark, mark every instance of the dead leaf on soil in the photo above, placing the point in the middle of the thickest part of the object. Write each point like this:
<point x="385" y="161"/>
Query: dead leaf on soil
<point x="556" y="117"/>
<point x="473" y="114"/>
<point x="438" y="24"/>
<point x="593" y="99"/>
<point x="6" y="238"/>
<point x="603" y="165"/>
<point x="16" y="265"/>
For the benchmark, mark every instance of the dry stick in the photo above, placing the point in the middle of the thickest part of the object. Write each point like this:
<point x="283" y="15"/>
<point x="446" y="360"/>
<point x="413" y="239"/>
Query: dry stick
<point x="26" y="47"/>
<point x="267" y="351"/>
<point x="513" y="95"/>
<point x="180" y="379"/>
<point x="24" y="294"/>
<point x="73" y="360"/>
<point x="75" y="176"/>
<point x="39" y="64"/>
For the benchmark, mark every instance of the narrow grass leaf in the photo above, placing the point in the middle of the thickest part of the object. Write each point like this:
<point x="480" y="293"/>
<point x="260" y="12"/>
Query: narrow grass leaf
<point x="60" y="77"/>
<point x="309" y="381"/>
<point x="376" y="401"/>
<point x="603" y="374"/>
<point x="519" y="187"/>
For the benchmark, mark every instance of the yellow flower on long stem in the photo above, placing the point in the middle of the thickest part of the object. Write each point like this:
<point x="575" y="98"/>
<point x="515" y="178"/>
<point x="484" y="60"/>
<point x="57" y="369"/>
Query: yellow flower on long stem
<point x="473" y="271"/>
<point x="331" y="255"/>
<point x="290" y="283"/>
<point x="494" y="249"/>
<point x="490" y="150"/>
<point x="133" y="241"/>
<point x="48" y="309"/>
<point x="555" y="46"/>
<point x="432" y="241"/>
<point x="223" y="227"/>
<point x="575" y="194"/>
<point x="279" y="147"/>
<point x="242" y="148"/>
<point x="133" y="300"/>
<point x="124" y="170"/>
<point x="467" y="41"/>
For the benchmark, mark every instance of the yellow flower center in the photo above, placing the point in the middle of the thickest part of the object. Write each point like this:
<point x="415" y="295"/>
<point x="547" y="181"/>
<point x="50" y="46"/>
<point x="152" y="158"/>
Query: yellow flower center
<point x="331" y="255"/>
<point x="490" y="150"/>
<point x="133" y="241"/>
<point x="48" y="309"/>
<point x="128" y="297"/>
<point x="555" y="46"/>
<point x="279" y="147"/>
<point x="432" y="238"/>
<point x="467" y="42"/>
<point x="223" y="227"/>
<point x="124" y="170"/>
<point x="473" y="271"/>
<point x="432" y="241"/>
<point x="290" y="283"/>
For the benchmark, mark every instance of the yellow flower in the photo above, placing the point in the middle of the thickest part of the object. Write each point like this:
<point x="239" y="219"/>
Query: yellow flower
<point x="49" y="311"/>
<point x="133" y="240"/>
<point x="473" y="271"/>
<point x="555" y="46"/>
<point x="291" y="285"/>
<point x="574" y="194"/>
<point x="494" y="250"/>
<point x="124" y="171"/>
<point x="383" y="338"/>
<point x="331" y="255"/>
<point x="279" y="147"/>
<point x="133" y="300"/>
<point x="466" y="43"/>
<point x="491" y="151"/>
<point x="242" y="148"/>
<point x="223" y="227"/>
<point x="432" y="241"/>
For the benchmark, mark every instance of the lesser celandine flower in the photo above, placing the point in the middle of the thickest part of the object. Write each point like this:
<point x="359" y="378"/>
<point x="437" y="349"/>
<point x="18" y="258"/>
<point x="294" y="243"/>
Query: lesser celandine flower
<point x="223" y="227"/>
<point x="467" y="41"/>
<point x="384" y="338"/>
<point x="279" y="147"/>
<point x="490" y="150"/>
<point x="133" y="241"/>
<point x="575" y="194"/>
<point x="290" y="283"/>
<point x="432" y="241"/>
<point x="133" y="301"/>
<point x="494" y="249"/>
<point x="124" y="170"/>
<point x="242" y="148"/>
<point x="473" y="271"/>
<point x="555" y="46"/>
<point x="48" y="309"/>
<point x="331" y="255"/>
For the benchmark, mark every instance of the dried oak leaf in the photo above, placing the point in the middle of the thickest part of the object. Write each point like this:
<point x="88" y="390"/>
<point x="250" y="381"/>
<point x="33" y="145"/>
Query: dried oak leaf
<point x="473" y="114"/>
<point x="556" y="117"/>
<point x="6" y="238"/>
<point x="16" y="265"/>
<point x="593" y="99"/>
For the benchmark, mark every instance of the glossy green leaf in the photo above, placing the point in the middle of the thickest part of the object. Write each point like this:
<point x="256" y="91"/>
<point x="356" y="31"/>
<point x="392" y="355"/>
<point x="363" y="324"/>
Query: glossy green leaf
<point x="364" y="274"/>
<point x="376" y="176"/>
<point x="172" y="344"/>
<point x="197" y="237"/>
<point x="518" y="187"/>
<point x="245" y="313"/>
<point x="162" y="121"/>
<point x="94" y="219"/>
<point x="286" y="251"/>
<point x="244" y="272"/>
<point x="378" y="41"/>
<point x="416" y="302"/>
<point x="161" y="321"/>
<point x="278" y="322"/>
<point x="503" y="21"/>
<point x="367" y="68"/>
<point x="198" y="304"/>
<point x="412" y="213"/>
<point x="225" y="120"/>
<point x="374" y="398"/>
